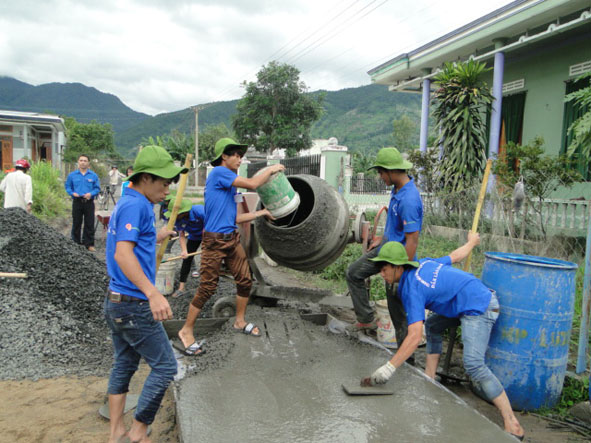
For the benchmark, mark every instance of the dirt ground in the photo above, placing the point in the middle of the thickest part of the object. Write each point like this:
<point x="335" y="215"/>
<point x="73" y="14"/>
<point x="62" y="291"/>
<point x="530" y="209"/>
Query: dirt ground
<point x="66" y="409"/>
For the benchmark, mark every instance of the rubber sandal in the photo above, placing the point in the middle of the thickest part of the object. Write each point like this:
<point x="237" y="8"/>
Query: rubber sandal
<point x="195" y="274"/>
<point x="357" y="326"/>
<point x="248" y="329"/>
<point x="192" y="350"/>
<point x="518" y="437"/>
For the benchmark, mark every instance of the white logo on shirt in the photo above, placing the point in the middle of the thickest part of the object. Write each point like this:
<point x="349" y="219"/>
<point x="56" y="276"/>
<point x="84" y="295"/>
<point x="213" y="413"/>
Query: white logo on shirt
<point x="433" y="281"/>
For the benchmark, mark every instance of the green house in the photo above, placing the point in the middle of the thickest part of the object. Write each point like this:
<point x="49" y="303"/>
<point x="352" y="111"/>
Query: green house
<point x="537" y="49"/>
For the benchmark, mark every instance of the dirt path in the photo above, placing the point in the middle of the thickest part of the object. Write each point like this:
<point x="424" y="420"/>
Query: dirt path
<point x="66" y="410"/>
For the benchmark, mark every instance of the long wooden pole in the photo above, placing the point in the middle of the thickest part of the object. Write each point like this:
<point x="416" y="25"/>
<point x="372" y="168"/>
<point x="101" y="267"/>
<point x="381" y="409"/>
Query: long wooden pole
<point x="479" y="208"/>
<point x="175" y="209"/>
<point x="13" y="274"/>
<point x="178" y="257"/>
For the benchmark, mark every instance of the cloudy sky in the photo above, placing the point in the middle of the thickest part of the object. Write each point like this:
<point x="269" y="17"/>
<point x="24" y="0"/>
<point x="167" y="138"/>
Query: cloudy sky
<point x="160" y="56"/>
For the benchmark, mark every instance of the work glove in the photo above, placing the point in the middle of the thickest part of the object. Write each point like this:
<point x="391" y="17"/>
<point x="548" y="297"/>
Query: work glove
<point x="383" y="374"/>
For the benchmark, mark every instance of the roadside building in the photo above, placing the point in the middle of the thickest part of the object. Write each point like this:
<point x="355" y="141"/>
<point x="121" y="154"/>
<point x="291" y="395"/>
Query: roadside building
<point x="537" y="49"/>
<point x="31" y="135"/>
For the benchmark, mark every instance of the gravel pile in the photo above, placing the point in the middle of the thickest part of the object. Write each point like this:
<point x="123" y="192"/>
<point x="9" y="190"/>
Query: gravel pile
<point x="51" y="323"/>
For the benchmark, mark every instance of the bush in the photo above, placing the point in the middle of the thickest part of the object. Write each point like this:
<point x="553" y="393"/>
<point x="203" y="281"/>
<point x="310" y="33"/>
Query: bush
<point x="49" y="195"/>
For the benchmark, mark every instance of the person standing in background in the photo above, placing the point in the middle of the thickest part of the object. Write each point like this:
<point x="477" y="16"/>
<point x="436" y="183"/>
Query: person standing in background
<point x="18" y="187"/>
<point x="83" y="185"/>
<point x="126" y="182"/>
<point x="114" y="177"/>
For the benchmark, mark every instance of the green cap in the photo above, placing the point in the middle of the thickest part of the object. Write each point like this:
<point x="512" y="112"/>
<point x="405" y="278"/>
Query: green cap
<point x="156" y="160"/>
<point x="223" y="144"/>
<point x="186" y="206"/>
<point x="394" y="253"/>
<point x="391" y="158"/>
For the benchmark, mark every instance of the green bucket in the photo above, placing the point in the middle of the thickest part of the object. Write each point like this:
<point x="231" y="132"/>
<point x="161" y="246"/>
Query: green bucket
<point x="278" y="195"/>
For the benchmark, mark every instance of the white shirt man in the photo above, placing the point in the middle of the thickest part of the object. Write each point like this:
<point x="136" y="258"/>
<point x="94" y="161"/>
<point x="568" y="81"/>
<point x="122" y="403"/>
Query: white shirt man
<point x="18" y="188"/>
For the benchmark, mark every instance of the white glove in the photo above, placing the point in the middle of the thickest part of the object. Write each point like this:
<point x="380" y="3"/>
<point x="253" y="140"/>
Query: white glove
<point x="383" y="374"/>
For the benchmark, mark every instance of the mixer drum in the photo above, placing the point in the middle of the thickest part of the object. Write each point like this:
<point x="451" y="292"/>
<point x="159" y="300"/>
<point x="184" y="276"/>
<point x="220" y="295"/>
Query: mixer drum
<point x="312" y="237"/>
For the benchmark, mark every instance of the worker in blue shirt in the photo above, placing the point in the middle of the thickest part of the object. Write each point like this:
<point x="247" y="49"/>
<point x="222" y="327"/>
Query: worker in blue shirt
<point x="221" y="241"/>
<point x="403" y="224"/>
<point x="83" y="185"/>
<point x="456" y="298"/>
<point x="126" y="182"/>
<point x="189" y="225"/>
<point x="134" y="308"/>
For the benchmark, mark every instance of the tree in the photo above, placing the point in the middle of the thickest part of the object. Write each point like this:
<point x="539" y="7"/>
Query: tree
<point x="208" y="138"/>
<point x="94" y="139"/>
<point x="460" y="103"/>
<point x="581" y="127"/>
<point x="276" y="112"/>
<point x="404" y="133"/>
<point x="542" y="174"/>
<point x="362" y="160"/>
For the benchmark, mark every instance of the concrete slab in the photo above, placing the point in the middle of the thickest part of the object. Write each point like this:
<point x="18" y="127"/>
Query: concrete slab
<point x="286" y="387"/>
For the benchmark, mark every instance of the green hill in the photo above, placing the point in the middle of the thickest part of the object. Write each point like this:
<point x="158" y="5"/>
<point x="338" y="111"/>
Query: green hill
<point x="68" y="99"/>
<point x="360" y="118"/>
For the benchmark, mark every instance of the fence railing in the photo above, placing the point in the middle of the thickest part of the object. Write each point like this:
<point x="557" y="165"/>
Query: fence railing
<point x="297" y="165"/>
<point x="368" y="185"/>
<point x="302" y="165"/>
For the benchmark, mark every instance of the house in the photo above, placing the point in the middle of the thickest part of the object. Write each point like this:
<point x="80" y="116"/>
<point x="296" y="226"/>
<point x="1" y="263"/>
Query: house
<point x="537" y="49"/>
<point x="32" y="135"/>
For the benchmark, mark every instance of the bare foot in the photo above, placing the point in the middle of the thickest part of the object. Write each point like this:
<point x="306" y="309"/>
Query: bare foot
<point x="119" y="438"/>
<point x="139" y="433"/>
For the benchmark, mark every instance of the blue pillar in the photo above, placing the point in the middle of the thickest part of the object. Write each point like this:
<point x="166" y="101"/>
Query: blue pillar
<point x="495" y="116"/>
<point x="497" y="90"/>
<point x="425" y="111"/>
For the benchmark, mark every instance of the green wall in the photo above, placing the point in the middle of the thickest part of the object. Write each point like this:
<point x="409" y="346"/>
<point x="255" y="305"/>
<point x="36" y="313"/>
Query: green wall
<point x="545" y="72"/>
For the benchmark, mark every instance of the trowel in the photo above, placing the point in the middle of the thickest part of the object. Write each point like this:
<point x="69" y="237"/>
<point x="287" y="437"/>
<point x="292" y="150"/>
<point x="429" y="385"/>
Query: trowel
<point x="366" y="388"/>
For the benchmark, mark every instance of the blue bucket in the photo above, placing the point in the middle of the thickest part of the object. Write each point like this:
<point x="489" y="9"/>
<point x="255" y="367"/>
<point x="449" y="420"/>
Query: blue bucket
<point x="528" y="347"/>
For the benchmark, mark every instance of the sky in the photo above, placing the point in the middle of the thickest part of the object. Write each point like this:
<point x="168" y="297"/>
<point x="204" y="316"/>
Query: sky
<point x="161" y="56"/>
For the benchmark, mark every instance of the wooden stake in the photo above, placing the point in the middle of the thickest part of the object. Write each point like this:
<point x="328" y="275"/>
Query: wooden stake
<point x="175" y="210"/>
<point x="13" y="274"/>
<point x="479" y="208"/>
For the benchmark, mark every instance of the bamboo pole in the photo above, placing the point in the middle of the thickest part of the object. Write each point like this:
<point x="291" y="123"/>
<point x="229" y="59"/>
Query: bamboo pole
<point x="175" y="210"/>
<point x="178" y="257"/>
<point x="13" y="274"/>
<point x="479" y="208"/>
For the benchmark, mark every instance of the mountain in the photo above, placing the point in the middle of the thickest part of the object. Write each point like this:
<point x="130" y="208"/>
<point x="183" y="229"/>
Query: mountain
<point x="76" y="100"/>
<point x="361" y="118"/>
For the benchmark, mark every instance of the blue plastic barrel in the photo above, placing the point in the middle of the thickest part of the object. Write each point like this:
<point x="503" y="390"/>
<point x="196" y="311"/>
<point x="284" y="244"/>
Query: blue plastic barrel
<point x="528" y="348"/>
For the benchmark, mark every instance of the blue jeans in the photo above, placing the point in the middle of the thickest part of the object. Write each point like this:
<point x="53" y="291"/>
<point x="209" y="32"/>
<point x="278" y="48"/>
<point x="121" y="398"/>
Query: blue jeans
<point x="475" y="336"/>
<point x="136" y="334"/>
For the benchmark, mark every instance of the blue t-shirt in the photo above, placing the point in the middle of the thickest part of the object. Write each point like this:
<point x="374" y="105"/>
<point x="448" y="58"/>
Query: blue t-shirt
<point x="220" y="205"/>
<point x="132" y="220"/>
<point x="441" y="288"/>
<point x="405" y="213"/>
<point x="83" y="183"/>
<point x="192" y="226"/>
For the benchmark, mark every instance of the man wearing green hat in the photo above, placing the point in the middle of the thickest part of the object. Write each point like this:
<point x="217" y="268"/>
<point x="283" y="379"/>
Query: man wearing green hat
<point x="221" y="241"/>
<point x="456" y="298"/>
<point x="189" y="225"/>
<point x="403" y="224"/>
<point x="134" y="308"/>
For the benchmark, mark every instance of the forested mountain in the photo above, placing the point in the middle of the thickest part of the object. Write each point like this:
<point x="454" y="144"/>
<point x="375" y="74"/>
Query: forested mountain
<point x="68" y="99"/>
<point x="361" y="118"/>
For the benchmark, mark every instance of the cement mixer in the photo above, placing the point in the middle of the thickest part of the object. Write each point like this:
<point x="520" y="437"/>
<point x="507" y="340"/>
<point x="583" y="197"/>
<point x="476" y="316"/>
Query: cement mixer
<point x="307" y="239"/>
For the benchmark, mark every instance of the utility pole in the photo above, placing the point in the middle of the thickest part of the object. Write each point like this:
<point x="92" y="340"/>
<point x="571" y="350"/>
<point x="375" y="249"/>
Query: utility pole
<point x="196" y="111"/>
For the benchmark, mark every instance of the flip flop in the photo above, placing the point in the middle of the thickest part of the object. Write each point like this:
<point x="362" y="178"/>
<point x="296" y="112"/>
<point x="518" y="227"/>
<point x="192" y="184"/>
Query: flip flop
<point x="192" y="350"/>
<point x="518" y="437"/>
<point x="248" y="329"/>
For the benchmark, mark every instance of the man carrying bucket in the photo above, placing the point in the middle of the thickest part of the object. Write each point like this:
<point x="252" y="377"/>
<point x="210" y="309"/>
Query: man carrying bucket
<point x="403" y="224"/>
<point x="221" y="241"/>
<point x="456" y="298"/>
<point x="134" y="308"/>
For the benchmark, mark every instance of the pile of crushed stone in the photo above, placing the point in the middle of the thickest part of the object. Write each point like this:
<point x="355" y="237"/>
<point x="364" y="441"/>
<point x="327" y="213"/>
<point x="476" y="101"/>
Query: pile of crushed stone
<point x="51" y="323"/>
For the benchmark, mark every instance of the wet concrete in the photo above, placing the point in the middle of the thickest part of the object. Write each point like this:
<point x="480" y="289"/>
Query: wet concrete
<point x="286" y="387"/>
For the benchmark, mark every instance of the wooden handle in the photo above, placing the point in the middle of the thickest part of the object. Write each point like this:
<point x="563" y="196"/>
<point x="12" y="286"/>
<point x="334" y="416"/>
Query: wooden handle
<point x="479" y="208"/>
<point x="13" y="274"/>
<point x="180" y="256"/>
<point x="175" y="210"/>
